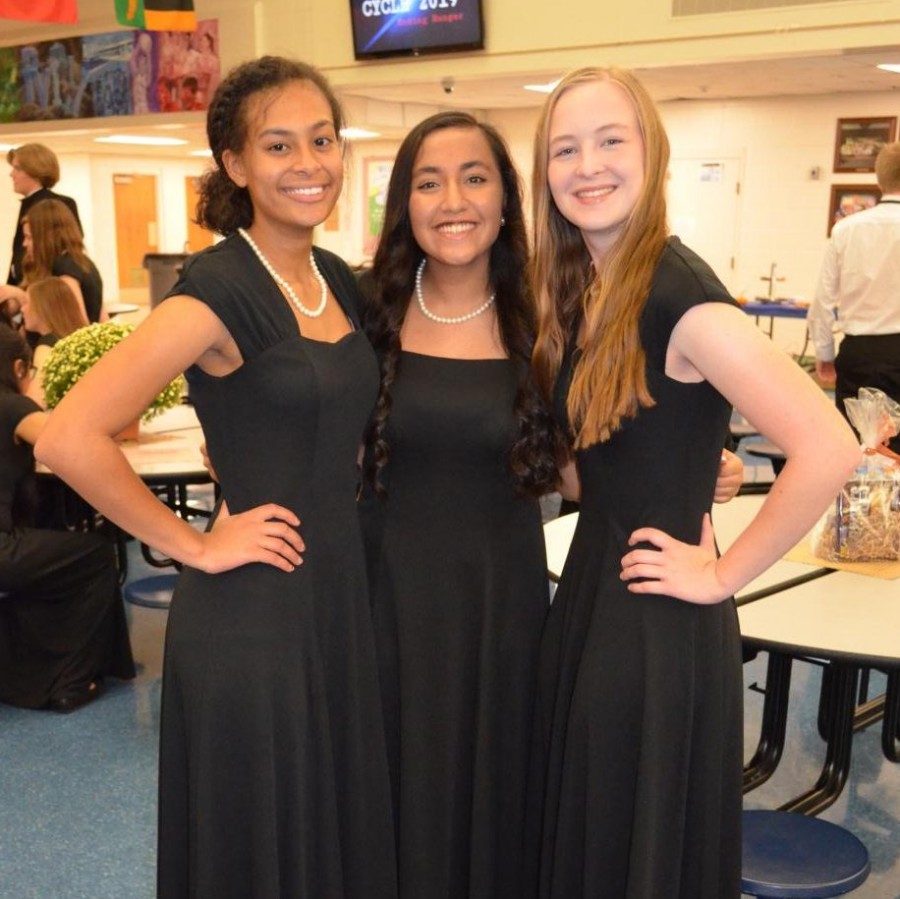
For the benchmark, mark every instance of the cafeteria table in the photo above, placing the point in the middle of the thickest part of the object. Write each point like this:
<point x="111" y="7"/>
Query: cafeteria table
<point x="166" y="456"/>
<point x="761" y="308"/>
<point x="792" y="610"/>
<point x="850" y="621"/>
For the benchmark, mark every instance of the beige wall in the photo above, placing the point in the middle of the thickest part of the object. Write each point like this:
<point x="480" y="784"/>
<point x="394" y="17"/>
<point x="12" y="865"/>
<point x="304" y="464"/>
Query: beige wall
<point x="542" y="35"/>
<point x="528" y="34"/>
<point x="781" y="216"/>
<point x="782" y="212"/>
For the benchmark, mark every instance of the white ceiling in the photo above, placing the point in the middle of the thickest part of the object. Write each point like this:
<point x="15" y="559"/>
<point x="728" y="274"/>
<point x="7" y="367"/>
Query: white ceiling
<point x="839" y="72"/>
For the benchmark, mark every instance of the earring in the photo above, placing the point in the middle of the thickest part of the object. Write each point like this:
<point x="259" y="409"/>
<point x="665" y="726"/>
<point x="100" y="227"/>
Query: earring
<point x="502" y="220"/>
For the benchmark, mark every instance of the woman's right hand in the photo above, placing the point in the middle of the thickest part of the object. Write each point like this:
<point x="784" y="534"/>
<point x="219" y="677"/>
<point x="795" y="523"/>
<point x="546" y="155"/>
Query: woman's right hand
<point x="266" y="534"/>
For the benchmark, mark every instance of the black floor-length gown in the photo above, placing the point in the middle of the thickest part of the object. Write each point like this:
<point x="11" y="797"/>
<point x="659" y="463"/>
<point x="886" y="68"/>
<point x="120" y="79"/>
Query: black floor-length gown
<point x="273" y="772"/>
<point x="640" y="695"/>
<point x="459" y="594"/>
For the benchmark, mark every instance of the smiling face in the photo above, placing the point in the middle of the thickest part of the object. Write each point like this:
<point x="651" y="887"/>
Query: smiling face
<point x="291" y="164"/>
<point x="595" y="168"/>
<point x="456" y="197"/>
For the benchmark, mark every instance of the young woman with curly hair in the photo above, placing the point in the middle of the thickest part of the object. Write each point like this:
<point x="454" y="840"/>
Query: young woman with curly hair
<point x="273" y="770"/>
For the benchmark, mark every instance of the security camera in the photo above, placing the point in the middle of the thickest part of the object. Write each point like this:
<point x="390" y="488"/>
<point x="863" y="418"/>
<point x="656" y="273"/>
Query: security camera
<point x="448" y="84"/>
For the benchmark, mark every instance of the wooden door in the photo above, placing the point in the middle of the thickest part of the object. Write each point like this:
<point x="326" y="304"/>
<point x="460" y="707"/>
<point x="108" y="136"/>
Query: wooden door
<point x="197" y="238"/>
<point x="137" y="230"/>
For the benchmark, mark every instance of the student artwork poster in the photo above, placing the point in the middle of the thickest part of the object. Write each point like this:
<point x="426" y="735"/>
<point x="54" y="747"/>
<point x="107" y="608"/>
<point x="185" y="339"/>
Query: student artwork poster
<point x="132" y="72"/>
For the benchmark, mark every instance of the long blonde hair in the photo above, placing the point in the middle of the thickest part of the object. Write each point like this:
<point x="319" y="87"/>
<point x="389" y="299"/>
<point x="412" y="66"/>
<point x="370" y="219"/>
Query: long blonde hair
<point x="57" y="306"/>
<point x="609" y="381"/>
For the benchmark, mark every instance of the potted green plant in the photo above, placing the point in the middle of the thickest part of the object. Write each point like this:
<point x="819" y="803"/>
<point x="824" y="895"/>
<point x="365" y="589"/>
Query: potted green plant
<point x="73" y="355"/>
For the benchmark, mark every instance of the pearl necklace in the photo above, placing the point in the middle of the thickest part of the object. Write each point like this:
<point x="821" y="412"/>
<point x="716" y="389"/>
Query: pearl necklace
<point x="440" y="319"/>
<point x="292" y="295"/>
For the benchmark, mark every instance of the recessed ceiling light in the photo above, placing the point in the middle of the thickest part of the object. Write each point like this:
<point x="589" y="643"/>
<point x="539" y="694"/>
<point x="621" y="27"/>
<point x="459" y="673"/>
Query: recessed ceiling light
<point x="542" y="88"/>
<point x="890" y="67"/>
<point x="145" y="140"/>
<point x="358" y="134"/>
<point x="200" y="153"/>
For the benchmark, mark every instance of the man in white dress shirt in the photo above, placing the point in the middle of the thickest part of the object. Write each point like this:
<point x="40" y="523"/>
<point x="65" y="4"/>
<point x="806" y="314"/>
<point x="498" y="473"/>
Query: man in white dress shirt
<point x="860" y="284"/>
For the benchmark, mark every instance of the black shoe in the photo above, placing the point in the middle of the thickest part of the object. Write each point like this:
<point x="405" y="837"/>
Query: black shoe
<point x="68" y="702"/>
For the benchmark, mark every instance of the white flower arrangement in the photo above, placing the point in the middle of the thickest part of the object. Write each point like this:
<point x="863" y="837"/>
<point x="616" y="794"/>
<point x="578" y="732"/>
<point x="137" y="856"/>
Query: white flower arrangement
<point x="72" y="356"/>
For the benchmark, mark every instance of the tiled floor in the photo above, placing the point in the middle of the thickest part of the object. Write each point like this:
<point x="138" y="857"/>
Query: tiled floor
<point x="78" y="792"/>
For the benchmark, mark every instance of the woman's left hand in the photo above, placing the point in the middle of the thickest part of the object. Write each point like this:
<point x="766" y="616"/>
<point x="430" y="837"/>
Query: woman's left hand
<point x="731" y="476"/>
<point x="674" y="568"/>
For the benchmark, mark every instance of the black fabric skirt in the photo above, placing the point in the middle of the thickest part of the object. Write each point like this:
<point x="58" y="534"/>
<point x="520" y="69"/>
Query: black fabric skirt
<point x="62" y="622"/>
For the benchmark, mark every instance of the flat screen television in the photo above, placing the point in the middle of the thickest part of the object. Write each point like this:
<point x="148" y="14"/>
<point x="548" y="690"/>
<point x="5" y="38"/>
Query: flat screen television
<point x="411" y="27"/>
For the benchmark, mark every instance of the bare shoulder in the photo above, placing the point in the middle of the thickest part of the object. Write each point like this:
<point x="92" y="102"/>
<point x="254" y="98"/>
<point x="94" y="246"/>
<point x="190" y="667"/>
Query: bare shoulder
<point x="194" y="326"/>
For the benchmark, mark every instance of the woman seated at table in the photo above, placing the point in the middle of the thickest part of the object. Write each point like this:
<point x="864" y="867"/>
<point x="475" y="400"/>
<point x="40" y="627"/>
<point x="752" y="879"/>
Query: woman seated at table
<point x="62" y="623"/>
<point x="51" y="310"/>
<point x="54" y="246"/>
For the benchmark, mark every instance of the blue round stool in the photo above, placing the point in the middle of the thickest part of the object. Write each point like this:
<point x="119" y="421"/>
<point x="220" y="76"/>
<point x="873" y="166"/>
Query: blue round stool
<point x="154" y="592"/>
<point x="786" y="854"/>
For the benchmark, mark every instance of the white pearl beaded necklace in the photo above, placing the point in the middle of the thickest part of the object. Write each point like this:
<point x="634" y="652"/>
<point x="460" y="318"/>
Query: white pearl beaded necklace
<point x="292" y="295"/>
<point x="440" y="319"/>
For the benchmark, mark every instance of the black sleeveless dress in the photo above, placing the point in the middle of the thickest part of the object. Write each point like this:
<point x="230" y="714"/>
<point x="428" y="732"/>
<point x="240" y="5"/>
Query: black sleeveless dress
<point x="459" y="595"/>
<point x="640" y="695"/>
<point x="273" y="773"/>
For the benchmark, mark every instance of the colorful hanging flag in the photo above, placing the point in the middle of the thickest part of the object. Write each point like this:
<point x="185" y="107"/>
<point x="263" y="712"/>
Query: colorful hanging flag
<point x="65" y="11"/>
<point x="155" y="15"/>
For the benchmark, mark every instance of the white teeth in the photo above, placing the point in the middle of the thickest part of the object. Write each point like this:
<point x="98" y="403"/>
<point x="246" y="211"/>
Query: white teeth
<point x="594" y="192"/>
<point x="456" y="227"/>
<point x="306" y="191"/>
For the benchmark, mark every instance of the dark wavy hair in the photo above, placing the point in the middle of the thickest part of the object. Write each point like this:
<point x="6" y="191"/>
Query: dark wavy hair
<point x="533" y="457"/>
<point x="223" y="206"/>
<point x="13" y="347"/>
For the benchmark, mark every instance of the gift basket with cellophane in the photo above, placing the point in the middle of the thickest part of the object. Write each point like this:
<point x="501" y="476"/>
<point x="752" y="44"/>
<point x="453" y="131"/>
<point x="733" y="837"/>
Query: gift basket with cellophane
<point x="864" y="523"/>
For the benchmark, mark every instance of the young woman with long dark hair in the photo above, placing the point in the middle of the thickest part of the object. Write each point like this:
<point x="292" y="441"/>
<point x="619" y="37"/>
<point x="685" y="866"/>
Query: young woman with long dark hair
<point x="460" y="448"/>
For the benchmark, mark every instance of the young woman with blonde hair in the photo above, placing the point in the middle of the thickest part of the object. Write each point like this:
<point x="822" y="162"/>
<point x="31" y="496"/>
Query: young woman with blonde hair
<point x="642" y="352"/>
<point x="51" y="310"/>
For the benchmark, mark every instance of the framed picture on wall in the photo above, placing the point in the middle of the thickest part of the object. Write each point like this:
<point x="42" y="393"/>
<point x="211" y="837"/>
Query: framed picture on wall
<point x="377" y="175"/>
<point x="849" y="198"/>
<point x="858" y="141"/>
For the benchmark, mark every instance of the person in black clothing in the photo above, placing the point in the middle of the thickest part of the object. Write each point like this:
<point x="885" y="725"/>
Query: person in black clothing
<point x="639" y="346"/>
<point x="62" y="622"/>
<point x="54" y="248"/>
<point x="273" y="768"/>
<point x="35" y="170"/>
<point x="458" y="583"/>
